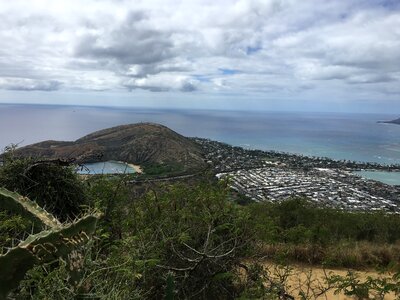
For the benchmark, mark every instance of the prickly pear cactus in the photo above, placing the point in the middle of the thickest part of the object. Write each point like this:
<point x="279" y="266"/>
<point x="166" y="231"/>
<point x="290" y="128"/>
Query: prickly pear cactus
<point x="22" y="205"/>
<point x="59" y="241"/>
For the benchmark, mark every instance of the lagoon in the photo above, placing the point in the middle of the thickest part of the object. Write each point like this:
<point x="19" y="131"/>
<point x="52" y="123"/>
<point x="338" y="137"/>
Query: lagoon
<point x="390" y="178"/>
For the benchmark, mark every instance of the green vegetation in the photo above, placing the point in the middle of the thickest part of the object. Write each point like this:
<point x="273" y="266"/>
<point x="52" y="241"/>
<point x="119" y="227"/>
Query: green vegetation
<point x="189" y="236"/>
<point x="13" y="227"/>
<point x="57" y="241"/>
<point x="299" y="231"/>
<point x="298" y="220"/>
<point x="55" y="187"/>
<point x="155" y="169"/>
<point x="177" y="241"/>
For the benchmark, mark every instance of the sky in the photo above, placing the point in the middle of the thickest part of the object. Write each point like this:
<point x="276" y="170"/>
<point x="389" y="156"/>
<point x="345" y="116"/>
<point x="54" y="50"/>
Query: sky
<point x="309" y="55"/>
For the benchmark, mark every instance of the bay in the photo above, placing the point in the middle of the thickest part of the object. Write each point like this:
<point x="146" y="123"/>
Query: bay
<point x="107" y="167"/>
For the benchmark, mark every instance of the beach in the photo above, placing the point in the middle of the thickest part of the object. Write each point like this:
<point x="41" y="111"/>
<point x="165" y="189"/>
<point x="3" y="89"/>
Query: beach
<point x="137" y="168"/>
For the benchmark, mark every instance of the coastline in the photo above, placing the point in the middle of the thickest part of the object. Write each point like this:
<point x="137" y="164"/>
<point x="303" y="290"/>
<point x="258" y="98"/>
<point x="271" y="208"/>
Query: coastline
<point x="354" y="137"/>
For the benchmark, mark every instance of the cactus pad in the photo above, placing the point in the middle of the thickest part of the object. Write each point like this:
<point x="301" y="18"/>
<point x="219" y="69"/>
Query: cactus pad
<point x="59" y="241"/>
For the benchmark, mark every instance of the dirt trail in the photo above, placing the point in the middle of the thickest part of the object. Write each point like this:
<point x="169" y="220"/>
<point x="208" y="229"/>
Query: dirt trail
<point x="308" y="278"/>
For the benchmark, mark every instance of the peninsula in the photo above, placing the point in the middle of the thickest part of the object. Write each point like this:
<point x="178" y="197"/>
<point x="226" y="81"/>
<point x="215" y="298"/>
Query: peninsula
<point x="396" y="121"/>
<point x="137" y="144"/>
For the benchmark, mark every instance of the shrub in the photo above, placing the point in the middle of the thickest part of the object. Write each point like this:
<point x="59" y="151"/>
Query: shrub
<point x="54" y="187"/>
<point x="12" y="229"/>
<point x="192" y="238"/>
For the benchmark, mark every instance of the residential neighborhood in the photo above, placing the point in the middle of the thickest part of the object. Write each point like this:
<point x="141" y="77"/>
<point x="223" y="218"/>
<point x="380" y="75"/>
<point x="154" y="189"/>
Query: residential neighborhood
<point x="272" y="176"/>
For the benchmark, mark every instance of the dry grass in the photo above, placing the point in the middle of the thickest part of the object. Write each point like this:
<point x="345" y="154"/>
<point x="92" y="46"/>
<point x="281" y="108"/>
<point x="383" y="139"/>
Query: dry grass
<point x="357" y="255"/>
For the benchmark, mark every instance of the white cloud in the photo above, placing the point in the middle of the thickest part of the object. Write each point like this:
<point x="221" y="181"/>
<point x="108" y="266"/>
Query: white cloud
<point x="26" y="84"/>
<point x="163" y="82"/>
<point x="277" y="47"/>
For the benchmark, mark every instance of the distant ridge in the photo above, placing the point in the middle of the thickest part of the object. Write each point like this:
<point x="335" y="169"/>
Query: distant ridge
<point x="397" y="121"/>
<point x="134" y="143"/>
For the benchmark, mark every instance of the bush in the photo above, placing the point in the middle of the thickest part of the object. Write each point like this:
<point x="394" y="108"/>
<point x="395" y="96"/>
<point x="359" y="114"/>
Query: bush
<point x="13" y="228"/>
<point x="54" y="187"/>
<point x="299" y="221"/>
<point x="162" y="169"/>
<point x="188" y="241"/>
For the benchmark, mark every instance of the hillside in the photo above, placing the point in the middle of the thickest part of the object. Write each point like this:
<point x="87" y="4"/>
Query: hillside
<point x="135" y="143"/>
<point x="396" y="121"/>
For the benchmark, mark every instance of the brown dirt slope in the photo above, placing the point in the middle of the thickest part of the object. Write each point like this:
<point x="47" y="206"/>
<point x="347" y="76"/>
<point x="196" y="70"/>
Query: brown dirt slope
<point x="135" y="143"/>
<point x="311" y="281"/>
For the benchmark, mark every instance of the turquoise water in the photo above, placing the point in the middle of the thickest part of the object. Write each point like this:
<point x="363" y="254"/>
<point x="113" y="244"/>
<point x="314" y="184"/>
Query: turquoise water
<point x="107" y="167"/>
<point x="391" y="178"/>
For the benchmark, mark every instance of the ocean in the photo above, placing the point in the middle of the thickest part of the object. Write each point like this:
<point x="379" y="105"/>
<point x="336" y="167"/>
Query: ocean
<point x="336" y="135"/>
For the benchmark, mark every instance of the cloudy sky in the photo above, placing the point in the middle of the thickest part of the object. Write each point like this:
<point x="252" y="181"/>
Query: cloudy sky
<point x="320" y="55"/>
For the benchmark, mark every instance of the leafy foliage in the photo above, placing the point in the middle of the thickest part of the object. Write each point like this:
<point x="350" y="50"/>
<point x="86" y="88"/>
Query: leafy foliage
<point x="191" y="236"/>
<point x="55" y="187"/>
<point x="162" y="169"/>
<point x="297" y="221"/>
<point x="299" y="231"/>
<point x="370" y="288"/>
<point x="12" y="229"/>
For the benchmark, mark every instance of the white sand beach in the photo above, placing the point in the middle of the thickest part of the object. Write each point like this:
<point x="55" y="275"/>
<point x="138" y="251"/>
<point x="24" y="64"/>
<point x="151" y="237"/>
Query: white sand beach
<point x="137" y="168"/>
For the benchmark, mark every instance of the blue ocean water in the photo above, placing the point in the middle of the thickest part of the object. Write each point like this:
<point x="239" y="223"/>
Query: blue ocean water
<point x="336" y="135"/>
<point x="390" y="178"/>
